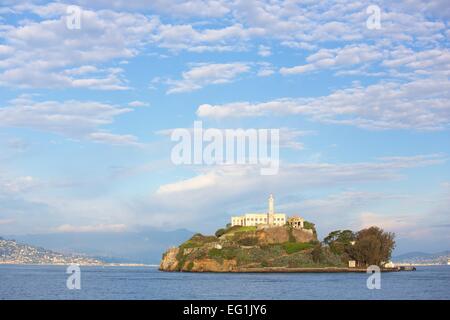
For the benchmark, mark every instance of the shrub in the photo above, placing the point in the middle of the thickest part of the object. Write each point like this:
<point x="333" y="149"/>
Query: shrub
<point x="295" y="260"/>
<point x="309" y="225"/>
<point x="220" y="232"/>
<point x="317" y="254"/>
<point x="245" y="228"/>
<point x="190" y="244"/>
<point x="197" y="240"/>
<point x="190" y="266"/>
<point x="215" y="254"/>
<point x="249" y="241"/>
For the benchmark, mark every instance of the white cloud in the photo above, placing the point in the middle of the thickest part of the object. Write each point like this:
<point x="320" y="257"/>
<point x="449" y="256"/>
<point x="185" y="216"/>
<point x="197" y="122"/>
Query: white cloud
<point x="232" y="187"/>
<point x="17" y="184"/>
<point x="404" y="226"/>
<point x="177" y="8"/>
<point x="67" y="228"/>
<point x="264" y="51"/>
<point x="37" y="53"/>
<point x="205" y="74"/>
<point x="422" y="104"/>
<point x="186" y="37"/>
<point x="47" y="54"/>
<point x="433" y="62"/>
<point x="75" y="119"/>
<point x="115" y="139"/>
<point x="199" y="182"/>
<point x="6" y="221"/>
<point x="266" y="69"/>
<point x="232" y="178"/>
<point x="332" y="58"/>
<point x="387" y="222"/>
<point x="137" y="104"/>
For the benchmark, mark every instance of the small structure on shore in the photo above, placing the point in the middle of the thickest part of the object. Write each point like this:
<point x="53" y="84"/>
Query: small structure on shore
<point x="296" y="222"/>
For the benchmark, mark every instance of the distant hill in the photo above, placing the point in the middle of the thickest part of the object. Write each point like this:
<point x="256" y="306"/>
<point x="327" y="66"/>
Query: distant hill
<point x="422" y="257"/>
<point x="142" y="246"/>
<point x="12" y="252"/>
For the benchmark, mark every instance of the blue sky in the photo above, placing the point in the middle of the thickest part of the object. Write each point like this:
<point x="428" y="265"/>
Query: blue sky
<point x="364" y="114"/>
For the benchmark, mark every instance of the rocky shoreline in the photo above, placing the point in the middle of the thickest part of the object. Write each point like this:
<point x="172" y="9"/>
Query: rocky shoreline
<point x="290" y="270"/>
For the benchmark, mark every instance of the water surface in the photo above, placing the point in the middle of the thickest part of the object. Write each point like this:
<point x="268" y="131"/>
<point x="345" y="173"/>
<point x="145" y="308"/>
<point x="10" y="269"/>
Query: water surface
<point x="49" y="282"/>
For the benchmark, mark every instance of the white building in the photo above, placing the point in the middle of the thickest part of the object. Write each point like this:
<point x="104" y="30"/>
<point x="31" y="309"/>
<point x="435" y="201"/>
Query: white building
<point x="253" y="219"/>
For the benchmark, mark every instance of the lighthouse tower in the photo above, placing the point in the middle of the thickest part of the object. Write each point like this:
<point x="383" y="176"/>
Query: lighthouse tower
<point x="271" y="213"/>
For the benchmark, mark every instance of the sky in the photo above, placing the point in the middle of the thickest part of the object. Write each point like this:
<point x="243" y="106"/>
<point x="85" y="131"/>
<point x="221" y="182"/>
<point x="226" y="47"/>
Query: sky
<point x="87" y="107"/>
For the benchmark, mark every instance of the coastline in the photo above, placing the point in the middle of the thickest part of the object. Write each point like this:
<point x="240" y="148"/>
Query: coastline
<point x="83" y="265"/>
<point x="291" y="270"/>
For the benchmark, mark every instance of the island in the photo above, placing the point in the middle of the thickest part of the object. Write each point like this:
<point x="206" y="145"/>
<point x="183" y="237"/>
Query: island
<point x="272" y="242"/>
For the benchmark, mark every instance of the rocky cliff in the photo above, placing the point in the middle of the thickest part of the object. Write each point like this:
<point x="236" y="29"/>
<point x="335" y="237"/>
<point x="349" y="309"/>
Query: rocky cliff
<point x="239" y="249"/>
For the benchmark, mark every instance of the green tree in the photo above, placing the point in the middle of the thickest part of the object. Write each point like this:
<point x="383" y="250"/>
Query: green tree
<point x="373" y="246"/>
<point x="339" y="241"/>
<point x="310" y="226"/>
<point x="345" y="236"/>
<point x="332" y="236"/>
<point x="220" y="232"/>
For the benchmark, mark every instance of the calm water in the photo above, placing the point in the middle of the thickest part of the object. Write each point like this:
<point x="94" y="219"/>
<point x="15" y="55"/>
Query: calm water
<point x="49" y="282"/>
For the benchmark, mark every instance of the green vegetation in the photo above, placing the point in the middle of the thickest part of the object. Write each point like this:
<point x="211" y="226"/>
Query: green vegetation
<point x="243" y="228"/>
<point x="220" y="232"/>
<point x="197" y="240"/>
<point x="215" y="253"/>
<point x="309" y="225"/>
<point x="233" y="230"/>
<point x="292" y="247"/>
<point x="253" y="248"/>
<point x="339" y="241"/>
<point x="369" y="246"/>
<point x="250" y="241"/>
<point x="373" y="246"/>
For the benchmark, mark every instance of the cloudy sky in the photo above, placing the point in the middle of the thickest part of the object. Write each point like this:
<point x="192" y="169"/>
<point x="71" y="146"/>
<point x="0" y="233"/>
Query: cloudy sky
<point x="364" y="114"/>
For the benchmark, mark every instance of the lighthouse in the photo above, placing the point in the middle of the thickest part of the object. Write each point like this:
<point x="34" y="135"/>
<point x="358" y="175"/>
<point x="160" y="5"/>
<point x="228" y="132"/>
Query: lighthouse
<point x="271" y="213"/>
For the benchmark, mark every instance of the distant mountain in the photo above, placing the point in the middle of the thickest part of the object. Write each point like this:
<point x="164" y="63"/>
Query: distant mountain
<point x="422" y="257"/>
<point x="142" y="246"/>
<point x="12" y="252"/>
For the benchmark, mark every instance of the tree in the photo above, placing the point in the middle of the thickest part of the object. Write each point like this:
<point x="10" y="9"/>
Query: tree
<point x="310" y="226"/>
<point x="340" y="241"/>
<point x="220" y="232"/>
<point x="332" y="236"/>
<point x="373" y="246"/>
